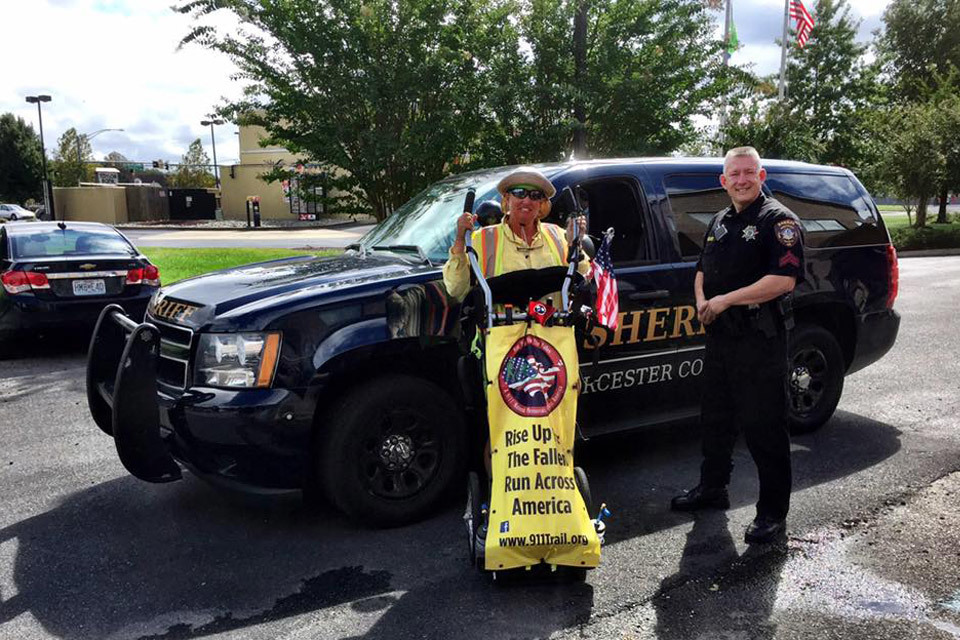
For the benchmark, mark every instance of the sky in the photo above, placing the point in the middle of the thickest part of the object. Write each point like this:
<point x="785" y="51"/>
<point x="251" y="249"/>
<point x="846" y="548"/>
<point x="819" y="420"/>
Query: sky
<point x="115" y="64"/>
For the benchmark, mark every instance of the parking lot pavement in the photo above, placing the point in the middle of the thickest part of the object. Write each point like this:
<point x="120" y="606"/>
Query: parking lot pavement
<point x="274" y="239"/>
<point x="86" y="551"/>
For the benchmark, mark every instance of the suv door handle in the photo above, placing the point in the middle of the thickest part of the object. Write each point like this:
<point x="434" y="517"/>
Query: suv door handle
<point x="658" y="294"/>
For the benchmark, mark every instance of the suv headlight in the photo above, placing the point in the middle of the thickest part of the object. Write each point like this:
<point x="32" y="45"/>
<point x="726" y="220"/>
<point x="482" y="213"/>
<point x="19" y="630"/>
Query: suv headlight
<point x="237" y="359"/>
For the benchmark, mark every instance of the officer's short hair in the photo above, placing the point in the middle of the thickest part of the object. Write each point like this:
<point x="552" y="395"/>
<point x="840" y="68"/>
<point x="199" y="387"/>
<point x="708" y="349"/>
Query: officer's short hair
<point x="738" y="152"/>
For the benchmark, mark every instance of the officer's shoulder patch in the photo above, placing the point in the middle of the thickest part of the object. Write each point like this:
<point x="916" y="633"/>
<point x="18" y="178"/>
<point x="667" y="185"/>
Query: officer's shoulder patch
<point x="787" y="232"/>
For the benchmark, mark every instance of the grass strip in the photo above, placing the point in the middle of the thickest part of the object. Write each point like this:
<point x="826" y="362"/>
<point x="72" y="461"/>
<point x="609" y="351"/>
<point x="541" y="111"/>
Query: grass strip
<point x="178" y="264"/>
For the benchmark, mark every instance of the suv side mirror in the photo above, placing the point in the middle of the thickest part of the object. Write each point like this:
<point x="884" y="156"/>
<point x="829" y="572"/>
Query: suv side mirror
<point x="488" y="212"/>
<point x="586" y="243"/>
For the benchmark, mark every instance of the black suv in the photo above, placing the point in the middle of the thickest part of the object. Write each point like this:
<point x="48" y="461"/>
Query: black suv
<point x="340" y="373"/>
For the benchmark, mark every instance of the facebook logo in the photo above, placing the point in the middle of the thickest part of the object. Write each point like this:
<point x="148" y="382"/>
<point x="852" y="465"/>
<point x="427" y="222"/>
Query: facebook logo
<point x="504" y="527"/>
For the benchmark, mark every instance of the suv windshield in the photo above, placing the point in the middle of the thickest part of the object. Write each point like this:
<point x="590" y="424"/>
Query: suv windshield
<point x="70" y="242"/>
<point x="428" y="219"/>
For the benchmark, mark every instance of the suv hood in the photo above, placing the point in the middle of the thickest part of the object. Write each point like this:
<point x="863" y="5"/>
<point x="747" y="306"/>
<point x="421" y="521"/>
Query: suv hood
<point x="231" y="292"/>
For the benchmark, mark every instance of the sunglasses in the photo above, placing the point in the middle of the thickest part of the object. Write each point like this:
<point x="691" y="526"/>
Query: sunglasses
<point x="522" y="192"/>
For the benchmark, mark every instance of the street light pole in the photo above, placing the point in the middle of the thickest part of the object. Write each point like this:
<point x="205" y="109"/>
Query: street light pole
<point x="88" y="136"/>
<point x="47" y="196"/>
<point x="213" y="139"/>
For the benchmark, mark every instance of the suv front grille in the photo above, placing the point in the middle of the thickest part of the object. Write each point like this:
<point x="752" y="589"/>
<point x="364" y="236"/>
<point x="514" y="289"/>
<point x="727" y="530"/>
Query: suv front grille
<point x="175" y="344"/>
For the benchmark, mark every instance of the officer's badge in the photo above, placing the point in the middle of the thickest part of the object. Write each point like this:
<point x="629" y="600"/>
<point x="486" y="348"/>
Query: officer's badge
<point x="749" y="233"/>
<point x="787" y="233"/>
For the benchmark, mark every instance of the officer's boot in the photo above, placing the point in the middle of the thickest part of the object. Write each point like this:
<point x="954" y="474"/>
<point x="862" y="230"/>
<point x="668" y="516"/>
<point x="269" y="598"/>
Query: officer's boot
<point x="701" y="497"/>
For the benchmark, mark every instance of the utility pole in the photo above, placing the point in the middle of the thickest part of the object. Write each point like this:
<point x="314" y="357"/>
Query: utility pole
<point x="47" y="195"/>
<point x="213" y="139"/>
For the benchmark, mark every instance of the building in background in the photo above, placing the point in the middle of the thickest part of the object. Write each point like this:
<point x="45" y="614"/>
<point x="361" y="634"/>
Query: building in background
<point x="279" y="200"/>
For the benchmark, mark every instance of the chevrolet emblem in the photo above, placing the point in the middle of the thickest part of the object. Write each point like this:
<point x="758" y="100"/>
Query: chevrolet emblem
<point x="88" y="266"/>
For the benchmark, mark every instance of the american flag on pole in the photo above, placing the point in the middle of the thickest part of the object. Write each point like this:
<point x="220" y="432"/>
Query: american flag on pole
<point x="608" y="303"/>
<point x="804" y="21"/>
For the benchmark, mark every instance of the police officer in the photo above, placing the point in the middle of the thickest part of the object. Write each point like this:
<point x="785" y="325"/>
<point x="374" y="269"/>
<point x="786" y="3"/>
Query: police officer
<point x="752" y="258"/>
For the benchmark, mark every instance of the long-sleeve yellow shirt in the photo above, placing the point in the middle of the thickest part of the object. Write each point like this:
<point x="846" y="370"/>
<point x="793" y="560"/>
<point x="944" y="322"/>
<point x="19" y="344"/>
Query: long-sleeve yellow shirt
<point x="517" y="255"/>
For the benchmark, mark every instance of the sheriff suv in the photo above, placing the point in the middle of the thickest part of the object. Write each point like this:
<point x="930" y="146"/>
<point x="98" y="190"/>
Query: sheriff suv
<point x="340" y="373"/>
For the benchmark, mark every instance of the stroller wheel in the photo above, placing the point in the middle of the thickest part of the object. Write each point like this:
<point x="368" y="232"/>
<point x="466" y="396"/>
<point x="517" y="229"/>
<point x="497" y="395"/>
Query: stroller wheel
<point x="584" y="486"/>
<point x="472" y="515"/>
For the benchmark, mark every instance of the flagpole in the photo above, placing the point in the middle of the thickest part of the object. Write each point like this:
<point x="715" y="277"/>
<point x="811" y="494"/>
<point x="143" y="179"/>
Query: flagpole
<point x="726" y="63"/>
<point x="783" y="47"/>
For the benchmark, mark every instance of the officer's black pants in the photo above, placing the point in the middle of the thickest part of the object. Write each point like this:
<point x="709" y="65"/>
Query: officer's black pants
<point x="745" y="389"/>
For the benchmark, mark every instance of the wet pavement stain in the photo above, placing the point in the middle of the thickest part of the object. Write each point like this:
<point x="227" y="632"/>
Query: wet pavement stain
<point x="819" y="576"/>
<point x="891" y="574"/>
<point x="953" y="604"/>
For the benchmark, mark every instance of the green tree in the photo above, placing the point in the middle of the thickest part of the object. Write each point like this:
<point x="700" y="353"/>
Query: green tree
<point x="774" y="131"/>
<point x="388" y="91"/>
<point x="386" y="96"/>
<point x="913" y="163"/>
<point x="921" y="38"/>
<point x="69" y="167"/>
<point x="21" y="168"/>
<point x="194" y="171"/>
<point x="830" y="85"/>
<point x="621" y="77"/>
<point x="947" y="110"/>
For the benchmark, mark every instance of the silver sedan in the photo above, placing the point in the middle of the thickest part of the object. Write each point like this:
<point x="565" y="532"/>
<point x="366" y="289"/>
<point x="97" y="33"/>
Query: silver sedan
<point x="15" y="212"/>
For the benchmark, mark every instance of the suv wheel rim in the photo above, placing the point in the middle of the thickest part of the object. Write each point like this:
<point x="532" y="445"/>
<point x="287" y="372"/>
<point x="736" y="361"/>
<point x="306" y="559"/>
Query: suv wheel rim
<point x="401" y="455"/>
<point x="808" y="378"/>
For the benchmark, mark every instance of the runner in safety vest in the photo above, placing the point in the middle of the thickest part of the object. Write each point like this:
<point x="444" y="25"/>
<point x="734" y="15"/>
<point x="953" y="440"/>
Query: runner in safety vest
<point x="519" y="242"/>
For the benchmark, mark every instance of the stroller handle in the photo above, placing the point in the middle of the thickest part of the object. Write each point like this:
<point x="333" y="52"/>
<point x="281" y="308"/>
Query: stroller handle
<point x="475" y="263"/>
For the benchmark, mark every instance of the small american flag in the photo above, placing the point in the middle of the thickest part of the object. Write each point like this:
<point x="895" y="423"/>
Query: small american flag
<point x="804" y="21"/>
<point x="608" y="303"/>
<point x="529" y="376"/>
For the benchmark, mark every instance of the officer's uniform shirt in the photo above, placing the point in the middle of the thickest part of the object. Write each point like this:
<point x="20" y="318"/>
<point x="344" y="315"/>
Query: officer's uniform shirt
<point x="740" y="248"/>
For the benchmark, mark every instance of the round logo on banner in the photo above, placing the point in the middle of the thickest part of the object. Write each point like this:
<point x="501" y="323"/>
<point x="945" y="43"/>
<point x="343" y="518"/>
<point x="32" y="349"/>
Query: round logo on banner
<point x="533" y="377"/>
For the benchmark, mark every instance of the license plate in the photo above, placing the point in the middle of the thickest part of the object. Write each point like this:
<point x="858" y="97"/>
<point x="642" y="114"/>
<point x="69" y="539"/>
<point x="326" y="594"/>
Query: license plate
<point x="89" y="287"/>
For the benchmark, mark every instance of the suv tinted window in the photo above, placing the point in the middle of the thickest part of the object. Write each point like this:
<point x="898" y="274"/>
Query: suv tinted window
<point x="832" y="209"/>
<point x="614" y="202"/>
<point x="694" y="198"/>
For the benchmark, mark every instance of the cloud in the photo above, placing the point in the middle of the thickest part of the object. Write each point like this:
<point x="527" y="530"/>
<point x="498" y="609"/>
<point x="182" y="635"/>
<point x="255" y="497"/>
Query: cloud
<point x="115" y="64"/>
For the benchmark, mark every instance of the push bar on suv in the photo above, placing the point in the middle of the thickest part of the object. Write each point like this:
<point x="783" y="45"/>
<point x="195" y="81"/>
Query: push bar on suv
<point x="122" y="393"/>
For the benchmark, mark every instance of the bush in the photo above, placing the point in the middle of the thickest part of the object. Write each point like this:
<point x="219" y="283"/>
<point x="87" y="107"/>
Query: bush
<point x="934" y="237"/>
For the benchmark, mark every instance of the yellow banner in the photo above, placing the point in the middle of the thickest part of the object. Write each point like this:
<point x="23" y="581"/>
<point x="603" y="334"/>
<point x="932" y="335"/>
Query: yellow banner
<point x="536" y="511"/>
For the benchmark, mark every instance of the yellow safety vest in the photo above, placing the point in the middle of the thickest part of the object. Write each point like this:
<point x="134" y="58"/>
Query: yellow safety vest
<point x="490" y="245"/>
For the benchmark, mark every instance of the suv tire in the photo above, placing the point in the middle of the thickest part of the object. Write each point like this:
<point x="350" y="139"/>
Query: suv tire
<point x="392" y="451"/>
<point x="815" y="369"/>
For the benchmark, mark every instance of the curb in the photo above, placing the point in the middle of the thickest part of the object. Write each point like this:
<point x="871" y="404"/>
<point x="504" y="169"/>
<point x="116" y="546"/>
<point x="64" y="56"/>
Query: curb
<point x="338" y="225"/>
<point x="928" y="253"/>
